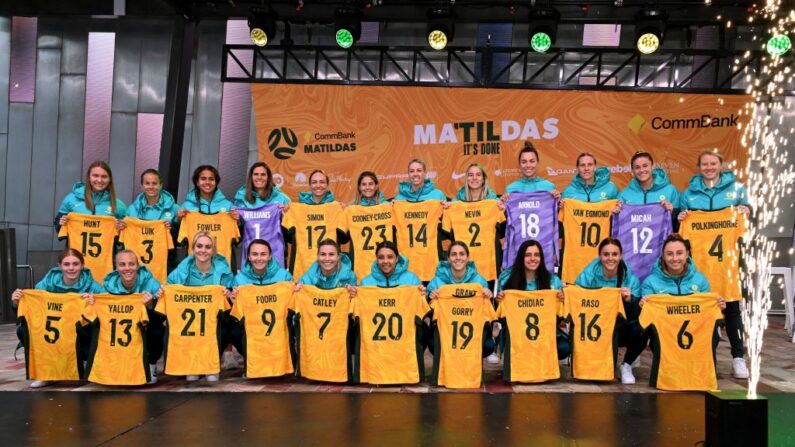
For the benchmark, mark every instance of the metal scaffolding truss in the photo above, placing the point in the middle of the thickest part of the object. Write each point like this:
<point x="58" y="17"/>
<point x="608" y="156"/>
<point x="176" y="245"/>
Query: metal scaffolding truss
<point x="695" y="71"/>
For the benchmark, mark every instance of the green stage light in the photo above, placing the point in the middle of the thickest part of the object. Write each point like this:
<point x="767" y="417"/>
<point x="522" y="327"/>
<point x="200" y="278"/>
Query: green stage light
<point x="344" y="38"/>
<point x="541" y="42"/>
<point x="778" y="44"/>
<point x="347" y="26"/>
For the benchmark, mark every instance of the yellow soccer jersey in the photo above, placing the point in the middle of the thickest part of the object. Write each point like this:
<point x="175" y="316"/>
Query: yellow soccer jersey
<point x="368" y="226"/>
<point x="49" y="323"/>
<point x="475" y="223"/>
<point x="118" y="343"/>
<point x="94" y="237"/>
<point x="713" y="237"/>
<point x="263" y="311"/>
<point x="417" y="225"/>
<point x="193" y="330"/>
<point x="684" y="339"/>
<point x="593" y="314"/>
<point x="584" y="226"/>
<point x="322" y="333"/>
<point x="390" y="332"/>
<point x="151" y="241"/>
<point x="221" y="225"/>
<point x="460" y="314"/>
<point x="530" y="319"/>
<point x="310" y="224"/>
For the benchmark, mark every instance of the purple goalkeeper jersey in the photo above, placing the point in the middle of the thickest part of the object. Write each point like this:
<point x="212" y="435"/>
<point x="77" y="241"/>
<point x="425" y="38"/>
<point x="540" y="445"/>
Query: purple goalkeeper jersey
<point x="531" y="215"/>
<point x="265" y="223"/>
<point x="642" y="229"/>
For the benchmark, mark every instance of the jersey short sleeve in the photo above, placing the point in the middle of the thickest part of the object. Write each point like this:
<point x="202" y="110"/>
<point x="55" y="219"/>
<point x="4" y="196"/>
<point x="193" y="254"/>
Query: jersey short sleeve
<point x="390" y="334"/>
<point x="49" y="333"/>
<point x="323" y="317"/>
<point x="221" y="225"/>
<point x="94" y="237"/>
<point x="684" y="337"/>
<point x="714" y="246"/>
<point x="593" y="314"/>
<point x="368" y="227"/>
<point x="310" y="224"/>
<point x="118" y="354"/>
<point x="530" y="328"/>
<point x="264" y="314"/>
<point x="193" y="331"/>
<point x="417" y="225"/>
<point x="475" y="223"/>
<point x="150" y="240"/>
<point x="584" y="226"/>
<point x="460" y="314"/>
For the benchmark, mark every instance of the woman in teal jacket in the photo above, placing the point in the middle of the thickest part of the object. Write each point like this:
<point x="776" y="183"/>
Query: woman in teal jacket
<point x="418" y="188"/>
<point x="649" y="184"/>
<point x="260" y="189"/>
<point x="128" y="278"/>
<point x="153" y="203"/>
<point x="476" y="187"/>
<point x="68" y="277"/>
<point x="206" y="267"/>
<point x="368" y="192"/>
<point x="205" y="197"/>
<point x="390" y="269"/>
<point x="331" y="270"/>
<point x="590" y="184"/>
<point x="530" y="182"/>
<point x="260" y="268"/>
<point x="458" y="269"/>
<point x="609" y="270"/>
<point x="714" y="189"/>
<point x="529" y="272"/>
<point x="319" y="192"/>
<point x="95" y="196"/>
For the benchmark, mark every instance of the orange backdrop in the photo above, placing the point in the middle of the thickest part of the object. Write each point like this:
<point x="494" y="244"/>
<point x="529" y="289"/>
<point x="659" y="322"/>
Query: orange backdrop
<point x="347" y="129"/>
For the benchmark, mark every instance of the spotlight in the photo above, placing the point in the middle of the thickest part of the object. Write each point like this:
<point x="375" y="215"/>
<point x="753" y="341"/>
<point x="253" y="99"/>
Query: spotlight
<point x="441" y="27"/>
<point x="778" y="44"/>
<point x="543" y="28"/>
<point x="649" y="30"/>
<point x="262" y="26"/>
<point x="348" y="26"/>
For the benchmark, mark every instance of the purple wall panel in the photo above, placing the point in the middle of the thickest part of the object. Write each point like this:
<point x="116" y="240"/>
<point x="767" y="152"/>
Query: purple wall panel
<point x="235" y="120"/>
<point x="147" y="145"/>
<point x="99" y="93"/>
<point x="22" y="85"/>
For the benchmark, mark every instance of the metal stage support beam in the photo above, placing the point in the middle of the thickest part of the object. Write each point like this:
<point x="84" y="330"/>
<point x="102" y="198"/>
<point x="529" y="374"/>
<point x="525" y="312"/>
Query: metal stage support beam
<point x="680" y="71"/>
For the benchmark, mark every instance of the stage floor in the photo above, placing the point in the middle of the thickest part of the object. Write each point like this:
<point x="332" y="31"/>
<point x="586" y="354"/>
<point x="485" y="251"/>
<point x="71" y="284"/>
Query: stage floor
<point x="778" y="375"/>
<point x="348" y="419"/>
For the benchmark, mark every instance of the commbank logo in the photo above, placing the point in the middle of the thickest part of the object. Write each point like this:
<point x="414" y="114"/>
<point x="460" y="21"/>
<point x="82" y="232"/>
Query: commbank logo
<point x="282" y="142"/>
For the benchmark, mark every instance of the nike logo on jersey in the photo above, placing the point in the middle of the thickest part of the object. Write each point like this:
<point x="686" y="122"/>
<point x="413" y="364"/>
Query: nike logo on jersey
<point x="457" y="176"/>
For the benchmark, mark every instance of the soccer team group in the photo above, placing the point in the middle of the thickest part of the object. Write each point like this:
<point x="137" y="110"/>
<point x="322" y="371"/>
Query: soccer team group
<point x="526" y="279"/>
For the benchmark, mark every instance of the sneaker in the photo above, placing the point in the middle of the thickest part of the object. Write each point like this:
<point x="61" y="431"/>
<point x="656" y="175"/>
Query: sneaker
<point x="40" y="383"/>
<point x="152" y="374"/>
<point x="191" y="378"/>
<point x="627" y="378"/>
<point x="212" y="377"/>
<point x="739" y="370"/>
<point x="493" y="358"/>
<point x="228" y="360"/>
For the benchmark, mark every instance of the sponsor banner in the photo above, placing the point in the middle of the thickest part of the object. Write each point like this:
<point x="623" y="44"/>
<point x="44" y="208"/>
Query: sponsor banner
<point x="345" y="130"/>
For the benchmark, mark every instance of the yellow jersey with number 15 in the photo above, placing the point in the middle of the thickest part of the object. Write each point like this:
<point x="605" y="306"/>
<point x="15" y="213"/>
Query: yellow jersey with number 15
<point x="93" y="236"/>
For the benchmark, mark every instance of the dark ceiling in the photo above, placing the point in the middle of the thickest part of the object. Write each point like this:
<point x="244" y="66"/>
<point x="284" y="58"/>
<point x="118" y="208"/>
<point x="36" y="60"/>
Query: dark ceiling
<point x="388" y="10"/>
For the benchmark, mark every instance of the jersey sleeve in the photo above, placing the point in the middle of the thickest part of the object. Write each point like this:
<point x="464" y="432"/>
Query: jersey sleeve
<point x="143" y="316"/>
<point x="646" y="315"/>
<point x="169" y="239"/>
<point x="234" y="228"/>
<point x="288" y="220"/>
<point x="489" y="314"/>
<point x="89" y="314"/>
<point x="447" y="219"/>
<point x="422" y="305"/>
<point x="237" y="310"/>
<point x="64" y="230"/>
<point x="160" y="306"/>
<point x="183" y="228"/>
<point x="434" y="304"/>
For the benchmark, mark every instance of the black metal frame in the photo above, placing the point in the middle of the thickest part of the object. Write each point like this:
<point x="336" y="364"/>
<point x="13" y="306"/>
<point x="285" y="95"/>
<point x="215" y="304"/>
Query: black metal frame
<point x="421" y="66"/>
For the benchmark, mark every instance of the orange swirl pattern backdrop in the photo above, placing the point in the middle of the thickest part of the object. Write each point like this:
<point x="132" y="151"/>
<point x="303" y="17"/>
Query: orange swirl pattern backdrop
<point x="347" y="129"/>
